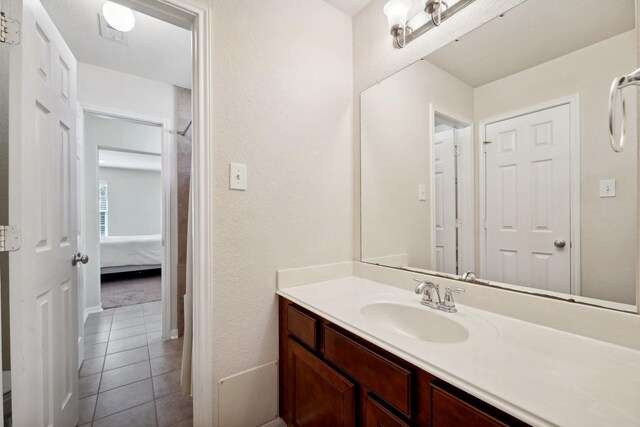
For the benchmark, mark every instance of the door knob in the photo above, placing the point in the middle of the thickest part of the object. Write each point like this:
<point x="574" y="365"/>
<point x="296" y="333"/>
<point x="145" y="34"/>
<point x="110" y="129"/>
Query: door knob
<point x="77" y="258"/>
<point x="560" y="243"/>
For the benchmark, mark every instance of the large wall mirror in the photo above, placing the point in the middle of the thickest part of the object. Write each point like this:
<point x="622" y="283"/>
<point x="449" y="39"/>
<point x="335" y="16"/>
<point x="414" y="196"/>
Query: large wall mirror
<point x="492" y="156"/>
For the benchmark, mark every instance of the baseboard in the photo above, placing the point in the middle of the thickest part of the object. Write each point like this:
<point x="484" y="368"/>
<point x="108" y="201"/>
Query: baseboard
<point x="91" y="310"/>
<point x="278" y="422"/>
<point x="80" y="352"/>
<point x="174" y="334"/>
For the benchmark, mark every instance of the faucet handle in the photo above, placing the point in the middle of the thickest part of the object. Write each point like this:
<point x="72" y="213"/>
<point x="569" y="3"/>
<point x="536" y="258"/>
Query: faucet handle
<point x="449" y="305"/>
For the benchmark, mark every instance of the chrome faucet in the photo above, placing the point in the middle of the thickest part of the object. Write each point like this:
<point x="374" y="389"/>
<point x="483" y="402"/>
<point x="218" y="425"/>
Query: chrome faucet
<point x="430" y="293"/>
<point x="468" y="276"/>
<point x="431" y="296"/>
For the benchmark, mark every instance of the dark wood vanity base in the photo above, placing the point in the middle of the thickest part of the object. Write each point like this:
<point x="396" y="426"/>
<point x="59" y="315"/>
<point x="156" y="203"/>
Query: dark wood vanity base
<point x="332" y="378"/>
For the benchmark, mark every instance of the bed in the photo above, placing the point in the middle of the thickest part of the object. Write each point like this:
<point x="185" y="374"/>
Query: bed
<point x="130" y="253"/>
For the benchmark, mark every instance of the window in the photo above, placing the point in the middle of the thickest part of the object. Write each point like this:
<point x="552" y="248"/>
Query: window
<point x="103" y="208"/>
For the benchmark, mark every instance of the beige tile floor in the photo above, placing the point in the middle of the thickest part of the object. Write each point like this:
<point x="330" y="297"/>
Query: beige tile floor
<point x="130" y="377"/>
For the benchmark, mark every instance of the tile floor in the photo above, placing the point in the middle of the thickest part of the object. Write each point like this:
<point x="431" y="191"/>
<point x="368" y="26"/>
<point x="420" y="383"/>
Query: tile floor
<point x="129" y="376"/>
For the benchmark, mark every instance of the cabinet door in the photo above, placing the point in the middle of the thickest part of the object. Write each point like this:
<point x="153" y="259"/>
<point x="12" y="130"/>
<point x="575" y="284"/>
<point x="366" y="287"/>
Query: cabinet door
<point x="319" y="396"/>
<point x="377" y="416"/>
<point x="449" y="411"/>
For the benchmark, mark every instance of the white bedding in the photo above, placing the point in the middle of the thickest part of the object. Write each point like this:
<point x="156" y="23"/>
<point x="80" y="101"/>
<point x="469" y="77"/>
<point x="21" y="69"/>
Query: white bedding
<point x="116" y="251"/>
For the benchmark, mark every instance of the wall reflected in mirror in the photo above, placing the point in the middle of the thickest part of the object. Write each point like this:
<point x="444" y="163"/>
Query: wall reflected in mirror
<point x="492" y="155"/>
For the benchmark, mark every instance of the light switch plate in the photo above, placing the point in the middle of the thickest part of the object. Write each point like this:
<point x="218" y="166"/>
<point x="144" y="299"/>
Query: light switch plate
<point x="237" y="176"/>
<point x="422" y="192"/>
<point x="608" y="188"/>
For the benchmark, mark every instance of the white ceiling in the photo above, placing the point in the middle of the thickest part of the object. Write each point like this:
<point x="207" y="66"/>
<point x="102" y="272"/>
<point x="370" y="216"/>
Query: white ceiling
<point x="157" y="50"/>
<point x="532" y="33"/>
<point x="350" y="7"/>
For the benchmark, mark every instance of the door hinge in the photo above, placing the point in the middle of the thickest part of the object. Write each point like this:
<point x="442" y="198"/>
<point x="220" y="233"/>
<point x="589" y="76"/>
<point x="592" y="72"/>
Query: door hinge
<point x="458" y="223"/>
<point x="457" y="150"/>
<point x="9" y="30"/>
<point x="9" y="238"/>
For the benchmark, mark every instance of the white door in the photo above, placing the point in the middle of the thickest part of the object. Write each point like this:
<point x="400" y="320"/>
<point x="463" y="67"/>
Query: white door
<point x="445" y="201"/>
<point x="528" y="200"/>
<point x="42" y="152"/>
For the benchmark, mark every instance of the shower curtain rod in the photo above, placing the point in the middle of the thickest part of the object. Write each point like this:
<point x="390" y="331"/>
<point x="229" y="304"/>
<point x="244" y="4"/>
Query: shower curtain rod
<point x="184" y="132"/>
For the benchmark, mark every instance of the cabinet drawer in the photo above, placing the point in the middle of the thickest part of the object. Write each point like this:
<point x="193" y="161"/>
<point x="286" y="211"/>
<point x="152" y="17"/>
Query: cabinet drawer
<point x="383" y="377"/>
<point x="377" y="416"/>
<point x="450" y="411"/>
<point x="302" y="326"/>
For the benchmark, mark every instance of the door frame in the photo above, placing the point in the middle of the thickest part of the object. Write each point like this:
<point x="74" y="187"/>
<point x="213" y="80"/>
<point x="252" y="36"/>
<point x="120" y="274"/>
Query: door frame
<point x="574" y="247"/>
<point x="465" y="202"/>
<point x="169" y="221"/>
<point x="196" y="15"/>
<point x="81" y="280"/>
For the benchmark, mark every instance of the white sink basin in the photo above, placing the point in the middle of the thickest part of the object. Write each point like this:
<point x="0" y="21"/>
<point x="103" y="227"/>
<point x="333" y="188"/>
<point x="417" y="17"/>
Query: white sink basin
<point x="420" y="323"/>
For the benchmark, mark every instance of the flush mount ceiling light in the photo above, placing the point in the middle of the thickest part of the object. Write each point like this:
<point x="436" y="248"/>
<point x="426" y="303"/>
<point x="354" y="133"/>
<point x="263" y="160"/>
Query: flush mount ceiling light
<point x="437" y="11"/>
<point x="119" y="17"/>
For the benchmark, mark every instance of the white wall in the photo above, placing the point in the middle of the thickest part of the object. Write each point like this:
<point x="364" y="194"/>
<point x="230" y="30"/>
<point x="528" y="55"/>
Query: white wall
<point x="113" y="90"/>
<point x="282" y="104"/>
<point x="608" y="250"/>
<point x="116" y="92"/>
<point x="135" y="201"/>
<point x="398" y="158"/>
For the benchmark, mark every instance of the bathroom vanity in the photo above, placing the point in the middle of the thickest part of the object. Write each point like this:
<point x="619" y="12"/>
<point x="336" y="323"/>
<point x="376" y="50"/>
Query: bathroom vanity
<point x="356" y="352"/>
<point x="331" y="377"/>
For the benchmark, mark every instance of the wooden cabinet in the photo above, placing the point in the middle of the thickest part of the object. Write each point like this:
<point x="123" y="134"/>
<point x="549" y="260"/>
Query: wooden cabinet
<point x="385" y="378"/>
<point x="319" y="396"/>
<point x="377" y="416"/>
<point x="451" y="411"/>
<point x="302" y="326"/>
<point x="332" y="378"/>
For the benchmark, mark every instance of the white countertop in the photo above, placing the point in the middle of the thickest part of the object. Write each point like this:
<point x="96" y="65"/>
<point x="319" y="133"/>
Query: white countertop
<point x="540" y="375"/>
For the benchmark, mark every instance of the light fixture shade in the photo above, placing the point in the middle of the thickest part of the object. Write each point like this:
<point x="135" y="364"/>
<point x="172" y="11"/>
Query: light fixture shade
<point x="119" y="17"/>
<point x="397" y="11"/>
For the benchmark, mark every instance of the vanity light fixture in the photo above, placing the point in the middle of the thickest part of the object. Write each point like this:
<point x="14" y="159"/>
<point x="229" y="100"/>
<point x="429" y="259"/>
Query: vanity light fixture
<point x="435" y="12"/>
<point x="397" y="12"/>
<point x="435" y="8"/>
<point x="118" y="17"/>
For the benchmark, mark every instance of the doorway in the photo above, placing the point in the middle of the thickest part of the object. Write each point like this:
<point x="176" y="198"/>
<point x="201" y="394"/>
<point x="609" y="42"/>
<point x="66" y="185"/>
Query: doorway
<point x="58" y="326"/>
<point x="451" y="178"/>
<point x="130" y="224"/>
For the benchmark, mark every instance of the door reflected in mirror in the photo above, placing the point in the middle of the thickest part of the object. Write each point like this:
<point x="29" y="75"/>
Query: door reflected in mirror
<point x="491" y="155"/>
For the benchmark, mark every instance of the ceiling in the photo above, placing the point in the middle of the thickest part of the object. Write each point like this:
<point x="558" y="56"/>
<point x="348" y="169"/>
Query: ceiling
<point x="350" y="7"/>
<point x="156" y="50"/>
<point x="532" y="33"/>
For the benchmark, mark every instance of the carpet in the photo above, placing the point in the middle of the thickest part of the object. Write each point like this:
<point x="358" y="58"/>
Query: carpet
<point x="118" y="293"/>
